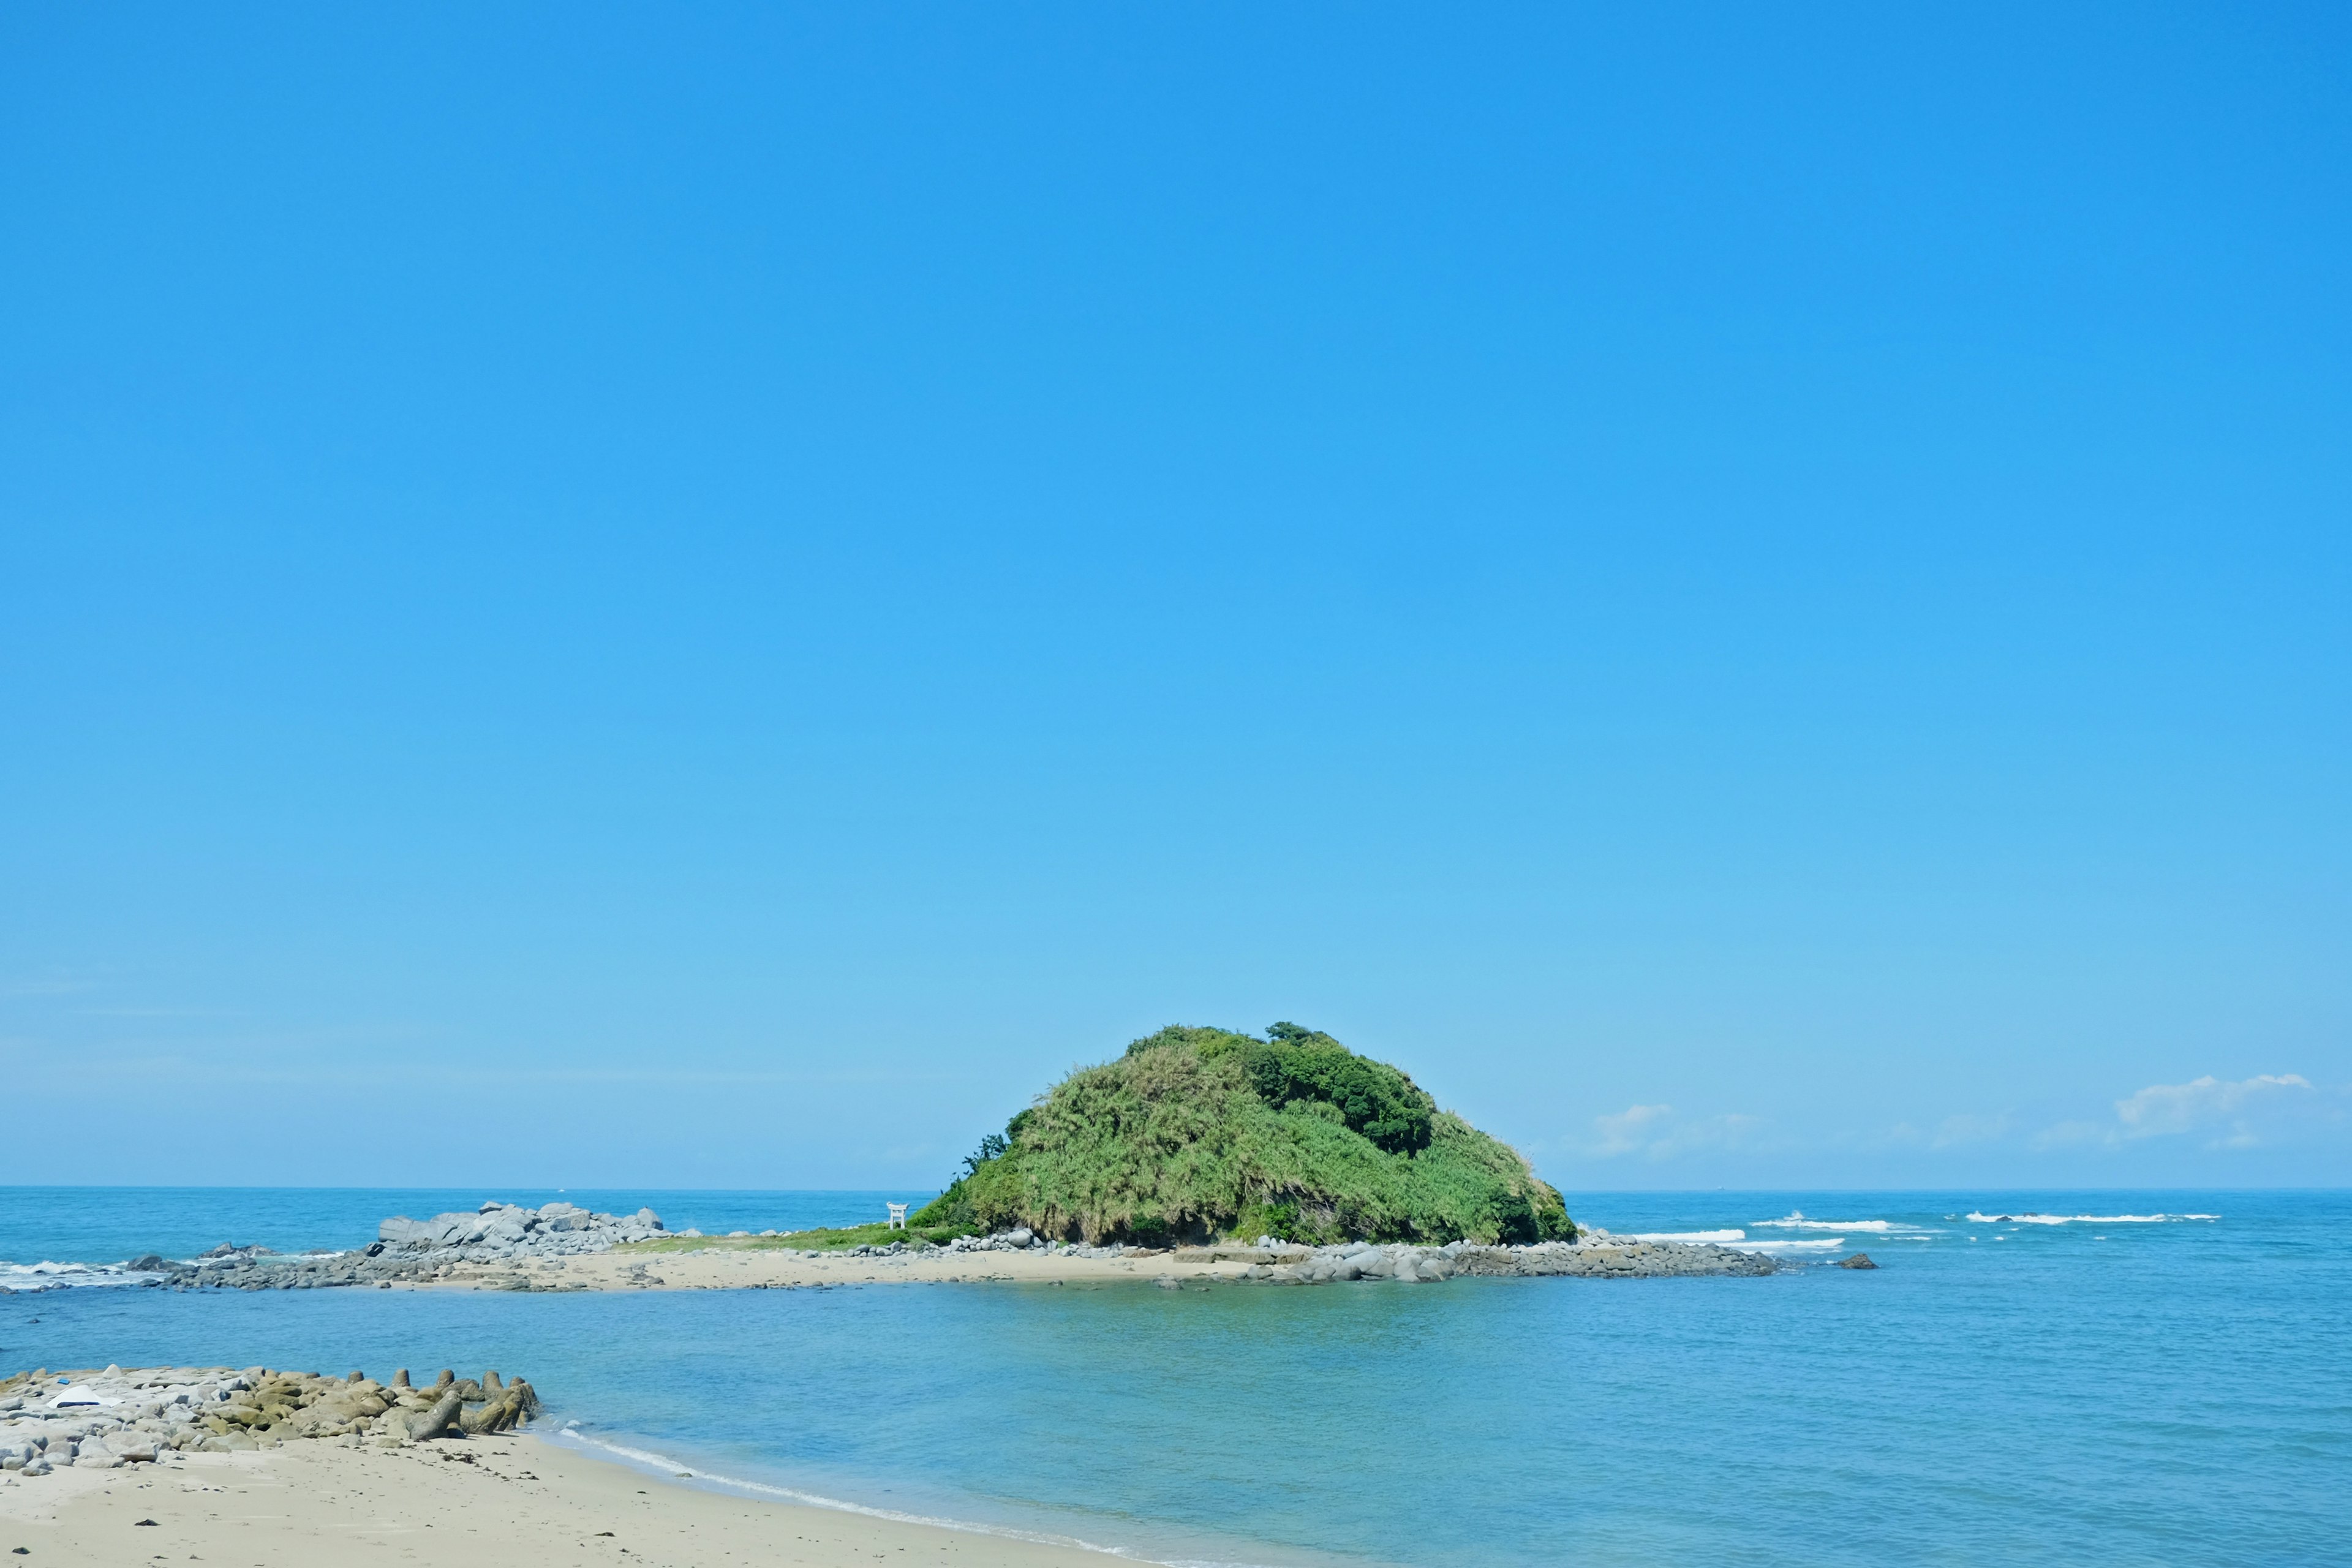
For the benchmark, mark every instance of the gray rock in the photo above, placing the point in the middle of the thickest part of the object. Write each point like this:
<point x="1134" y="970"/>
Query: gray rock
<point x="420" y="1425"/>
<point x="131" y="1446"/>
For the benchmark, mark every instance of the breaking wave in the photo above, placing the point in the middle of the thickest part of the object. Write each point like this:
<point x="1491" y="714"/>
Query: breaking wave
<point x="1792" y="1243"/>
<point x="2030" y="1217"/>
<point x="49" y="1276"/>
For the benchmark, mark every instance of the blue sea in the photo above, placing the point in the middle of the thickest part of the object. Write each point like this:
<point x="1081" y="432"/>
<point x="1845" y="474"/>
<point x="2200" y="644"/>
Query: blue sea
<point x="2054" y="1377"/>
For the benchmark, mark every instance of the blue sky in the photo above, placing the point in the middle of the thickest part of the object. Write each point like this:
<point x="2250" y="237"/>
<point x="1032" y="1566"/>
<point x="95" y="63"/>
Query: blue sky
<point x="712" y="596"/>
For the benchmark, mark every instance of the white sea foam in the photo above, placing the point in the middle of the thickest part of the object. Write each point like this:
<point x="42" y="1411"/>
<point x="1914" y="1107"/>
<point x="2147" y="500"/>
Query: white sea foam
<point x="2030" y="1218"/>
<point x="670" y="1466"/>
<point x="1690" y="1236"/>
<point x="1794" y="1244"/>
<point x="1797" y="1221"/>
<point x="46" y="1275"/>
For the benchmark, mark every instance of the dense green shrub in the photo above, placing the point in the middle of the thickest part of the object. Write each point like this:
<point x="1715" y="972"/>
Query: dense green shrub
<point x="1197" y="1133"/>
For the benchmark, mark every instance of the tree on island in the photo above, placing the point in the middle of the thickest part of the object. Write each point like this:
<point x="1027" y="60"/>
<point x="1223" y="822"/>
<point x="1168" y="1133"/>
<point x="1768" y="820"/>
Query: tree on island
<point x="1194" y="1133"/>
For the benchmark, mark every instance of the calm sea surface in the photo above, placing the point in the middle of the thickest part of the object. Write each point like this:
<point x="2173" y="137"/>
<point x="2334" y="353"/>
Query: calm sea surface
<point x="2127" y="1386"/>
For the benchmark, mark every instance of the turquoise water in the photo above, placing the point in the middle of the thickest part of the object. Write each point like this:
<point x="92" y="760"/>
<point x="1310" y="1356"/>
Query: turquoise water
<point x="2103" y="1391"/>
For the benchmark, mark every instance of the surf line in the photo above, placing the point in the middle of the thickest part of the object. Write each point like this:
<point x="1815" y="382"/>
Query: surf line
<point x="646" y="1458"/>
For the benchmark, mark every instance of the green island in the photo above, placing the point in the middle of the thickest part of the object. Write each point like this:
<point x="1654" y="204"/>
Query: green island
<point x="1196" y="1134"/>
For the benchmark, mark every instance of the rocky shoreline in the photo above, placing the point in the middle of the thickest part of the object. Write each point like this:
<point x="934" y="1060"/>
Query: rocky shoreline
<point x="409" y="1251"/>
<point x="1594" y="1255"/>
<point x="562" y="1246"/>
<point x="105" y="1420"/>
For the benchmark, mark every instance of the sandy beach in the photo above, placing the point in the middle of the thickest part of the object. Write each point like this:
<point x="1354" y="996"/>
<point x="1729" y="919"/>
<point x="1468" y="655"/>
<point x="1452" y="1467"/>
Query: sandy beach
<point x="486" y="1500"/>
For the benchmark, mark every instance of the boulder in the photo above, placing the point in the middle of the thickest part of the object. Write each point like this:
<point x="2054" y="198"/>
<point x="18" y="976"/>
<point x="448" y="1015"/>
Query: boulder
<point x="417" y="1425"/>
<point x="497" y="1416"/>
<point x="1859" y="1260"/>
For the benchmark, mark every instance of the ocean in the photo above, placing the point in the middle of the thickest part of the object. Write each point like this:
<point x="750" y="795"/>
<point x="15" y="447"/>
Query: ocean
<point x="2104" y="1377"/>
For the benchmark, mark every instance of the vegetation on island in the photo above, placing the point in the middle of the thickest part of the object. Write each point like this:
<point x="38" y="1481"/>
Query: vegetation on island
<point x="1195" y="1133"/>
<point x="831" y="1238"/>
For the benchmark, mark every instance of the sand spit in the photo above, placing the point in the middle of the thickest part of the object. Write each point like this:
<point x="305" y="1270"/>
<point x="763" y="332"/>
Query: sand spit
<point x="721" y="1264"/>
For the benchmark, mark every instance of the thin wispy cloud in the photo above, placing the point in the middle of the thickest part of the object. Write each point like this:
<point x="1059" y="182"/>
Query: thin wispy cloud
<point x="2217" y="1113"/>
<point x="1659" y="1132"/>
<point x="1956" y="1132"/>
<point x="2211" y="1114"/>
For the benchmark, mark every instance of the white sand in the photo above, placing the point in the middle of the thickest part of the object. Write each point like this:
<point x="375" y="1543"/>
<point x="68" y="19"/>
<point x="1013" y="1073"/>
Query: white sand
<point x="520" y="1501"/>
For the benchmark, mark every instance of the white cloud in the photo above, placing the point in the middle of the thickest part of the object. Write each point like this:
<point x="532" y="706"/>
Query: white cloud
<point x="1625" y="1131"/>
<point x="1657" y="1132"/>
<point x="2234" y="1113"/>
<point x="2269" y="1107"/>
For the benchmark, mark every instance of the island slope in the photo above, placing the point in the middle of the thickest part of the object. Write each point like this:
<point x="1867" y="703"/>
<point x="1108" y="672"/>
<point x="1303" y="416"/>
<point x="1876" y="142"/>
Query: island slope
<point x="1195" y="1133"/>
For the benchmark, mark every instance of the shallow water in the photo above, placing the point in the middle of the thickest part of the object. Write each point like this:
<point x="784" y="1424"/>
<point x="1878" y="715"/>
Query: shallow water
<point x="2118" y="1388"/>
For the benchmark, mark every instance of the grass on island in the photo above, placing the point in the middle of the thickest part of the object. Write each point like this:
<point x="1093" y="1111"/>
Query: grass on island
<point x="835" y="1240"/>
<point x="1199" y="1134"/>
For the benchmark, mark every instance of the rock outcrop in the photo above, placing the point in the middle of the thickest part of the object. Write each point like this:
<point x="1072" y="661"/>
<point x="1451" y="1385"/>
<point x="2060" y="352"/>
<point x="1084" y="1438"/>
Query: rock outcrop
<point x="102" y="1420"/>
<point x="404" y="1249"/>
<point x="498" y="1232"/>
<point x="1595" y="1254"/>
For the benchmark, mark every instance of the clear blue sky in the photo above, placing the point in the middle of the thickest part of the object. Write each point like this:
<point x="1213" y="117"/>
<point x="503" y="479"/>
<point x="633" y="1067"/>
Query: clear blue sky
<point x="711" y="595"/>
